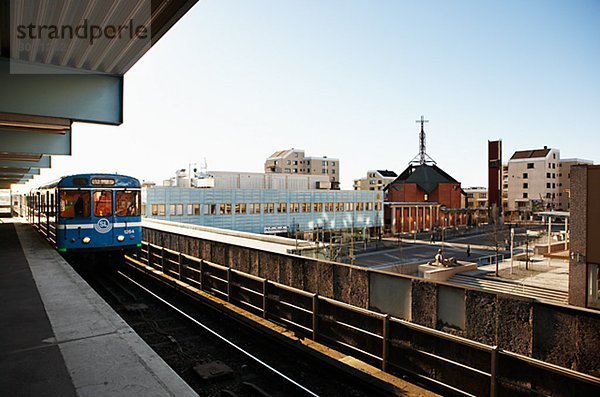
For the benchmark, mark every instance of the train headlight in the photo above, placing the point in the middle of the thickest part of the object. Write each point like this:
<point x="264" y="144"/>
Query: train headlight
<point x="120" y="238"/>
<point x="86" y="240"/>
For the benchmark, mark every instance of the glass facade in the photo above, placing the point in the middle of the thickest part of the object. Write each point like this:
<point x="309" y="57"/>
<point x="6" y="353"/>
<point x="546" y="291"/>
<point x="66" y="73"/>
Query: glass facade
<point x="258" y="210"/>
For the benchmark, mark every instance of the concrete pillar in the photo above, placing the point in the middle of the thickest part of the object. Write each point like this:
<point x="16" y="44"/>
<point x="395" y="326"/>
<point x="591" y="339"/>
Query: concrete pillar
<point x="566" y="232"/>
<point x="430" y="217"/>
<point x="549" y="234"/>
<point x="402" y="219"/>
<point x="394" y="219"/>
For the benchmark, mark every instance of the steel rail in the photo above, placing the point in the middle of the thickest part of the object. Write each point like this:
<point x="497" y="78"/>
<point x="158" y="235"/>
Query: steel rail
<point x="208" y="329"/>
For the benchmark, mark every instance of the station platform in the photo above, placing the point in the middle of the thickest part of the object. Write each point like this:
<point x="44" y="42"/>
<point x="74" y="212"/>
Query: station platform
<point x="59" y="338"/>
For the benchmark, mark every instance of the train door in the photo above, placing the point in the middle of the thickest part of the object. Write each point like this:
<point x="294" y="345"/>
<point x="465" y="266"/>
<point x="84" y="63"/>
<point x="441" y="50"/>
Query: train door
<point x="104" y="218"/>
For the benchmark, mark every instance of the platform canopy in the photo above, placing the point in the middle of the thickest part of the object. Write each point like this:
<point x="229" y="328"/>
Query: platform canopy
<point x="63" y="61"/>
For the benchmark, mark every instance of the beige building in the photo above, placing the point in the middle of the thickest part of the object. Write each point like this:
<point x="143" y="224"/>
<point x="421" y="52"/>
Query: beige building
<point x="533" y="180"/>
<point x="564" y="181"/>
<point x="504" y="187"/>
<point x="293" y="161"/>
<point x="375" y="180"/>
<point x="477" y="198"/>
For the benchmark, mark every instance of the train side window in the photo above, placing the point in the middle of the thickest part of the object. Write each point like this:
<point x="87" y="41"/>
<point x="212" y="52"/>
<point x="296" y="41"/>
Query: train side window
<point x="103" y="203"/>
<point x="128" y="203"/>
<point x="74" y="204"/>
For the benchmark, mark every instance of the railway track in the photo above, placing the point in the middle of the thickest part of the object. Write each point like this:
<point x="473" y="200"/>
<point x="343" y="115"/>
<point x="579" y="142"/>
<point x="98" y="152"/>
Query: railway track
<point x="214" y="354"/>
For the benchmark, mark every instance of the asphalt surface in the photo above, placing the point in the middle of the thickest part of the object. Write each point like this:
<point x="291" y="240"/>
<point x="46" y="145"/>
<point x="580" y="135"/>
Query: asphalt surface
<point x="408" y="252"/>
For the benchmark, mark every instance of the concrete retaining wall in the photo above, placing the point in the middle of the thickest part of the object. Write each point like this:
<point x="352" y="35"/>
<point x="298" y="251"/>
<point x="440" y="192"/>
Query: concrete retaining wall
<point x="565" y="336"/>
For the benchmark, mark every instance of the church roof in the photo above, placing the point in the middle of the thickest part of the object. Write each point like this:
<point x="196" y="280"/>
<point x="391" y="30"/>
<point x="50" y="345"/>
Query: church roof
<point x="426" y="176"/>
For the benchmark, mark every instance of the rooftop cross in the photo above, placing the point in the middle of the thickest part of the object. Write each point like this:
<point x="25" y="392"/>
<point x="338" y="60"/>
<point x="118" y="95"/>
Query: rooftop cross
<point x="422" y="157"/>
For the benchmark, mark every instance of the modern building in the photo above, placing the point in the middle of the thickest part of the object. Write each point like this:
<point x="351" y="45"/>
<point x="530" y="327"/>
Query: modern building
<point x="504" y="188"/>
<point x="584" y="262"/>
<point x="375" y="180"/>
<point x="248" y="180"/>
<point x="293" y="161"/>
<point x="564" y="181"/>
<point x="477" y="201"/>
<point x="533" y="181"/>
<point x="267" y="210"/>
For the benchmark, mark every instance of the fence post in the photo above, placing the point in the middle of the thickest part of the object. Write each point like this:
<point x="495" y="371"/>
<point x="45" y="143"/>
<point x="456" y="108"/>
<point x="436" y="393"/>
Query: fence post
<point x="201" y="266"/>
<point x="386" y="345"/>
<point x="180" y="261"/>
<point x="265" y="292"/>
<point x="228" y="284"/>
<point x="315" y="316"/>
<point x="493" y="371"/>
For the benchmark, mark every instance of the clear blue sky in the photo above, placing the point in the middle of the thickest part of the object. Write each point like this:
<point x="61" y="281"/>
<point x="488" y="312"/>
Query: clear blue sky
<point x="234" y="81"/>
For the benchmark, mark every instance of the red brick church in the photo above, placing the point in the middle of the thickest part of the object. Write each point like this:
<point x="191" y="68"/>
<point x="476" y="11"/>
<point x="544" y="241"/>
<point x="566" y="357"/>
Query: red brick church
<point x="424" y="197"/>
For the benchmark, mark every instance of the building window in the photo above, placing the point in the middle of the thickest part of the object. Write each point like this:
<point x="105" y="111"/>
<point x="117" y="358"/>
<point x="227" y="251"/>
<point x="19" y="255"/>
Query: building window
<point x="190" y="209"/>
<point x="179" y="209"/>
<point x="295" y="162"/>
<point x="323" y="171"/>
<point x="161" y="209"/>
<point x="554" y="186"/>
<point x="269" y="208"/>
<point x="530" y="165"/>
<point x="155" y="209"/>
<point x="547" y="186"/>
<point x="318" y="207"/>
<point x="525" y="175"/>
<point x="196" y="209"/>
<point x="525" y="195"/>
<point x="553" y="176"/>
<point x="525" y="185"/>
<point x="547" y="175"/>
<point x="333" y="171"/>
<point x="333" y="163"/>
<point x="288" y="162"/>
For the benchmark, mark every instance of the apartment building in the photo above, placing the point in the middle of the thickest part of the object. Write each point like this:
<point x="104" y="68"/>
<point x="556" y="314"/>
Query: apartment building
<point x="477" y="198"/>
<point x="533" y="180"/>
<point x="294" y="161"/>
<point x="564" y="181"/>
<point x="375" y="180"/>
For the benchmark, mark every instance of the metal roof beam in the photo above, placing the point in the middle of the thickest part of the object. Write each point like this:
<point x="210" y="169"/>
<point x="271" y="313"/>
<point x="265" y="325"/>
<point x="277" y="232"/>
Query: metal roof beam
<point x="12" y="141"/>
<point x="7" y="171"/>
<point x="85" y="97"/>
<point x="9" y="161"/>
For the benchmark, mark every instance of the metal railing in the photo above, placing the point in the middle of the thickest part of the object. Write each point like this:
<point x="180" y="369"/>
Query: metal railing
<point x="455" y="364"/>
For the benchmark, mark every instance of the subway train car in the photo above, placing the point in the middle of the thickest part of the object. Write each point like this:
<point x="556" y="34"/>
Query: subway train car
<point x="88" y="213"/>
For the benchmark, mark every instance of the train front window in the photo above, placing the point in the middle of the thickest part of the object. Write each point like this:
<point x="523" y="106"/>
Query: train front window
<point x="74" y="204"/>
<point x="128" y="203"/>
<point x="103" y="203"/>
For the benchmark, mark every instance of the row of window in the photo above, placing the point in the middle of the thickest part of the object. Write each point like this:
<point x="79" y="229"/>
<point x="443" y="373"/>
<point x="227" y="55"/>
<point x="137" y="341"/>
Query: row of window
<point x="258" y="208"/>
<point x="302" y="170"/>
<point x="548" y="195"/>
<point x="79" y="203"/>
<point x="296" y="162"/>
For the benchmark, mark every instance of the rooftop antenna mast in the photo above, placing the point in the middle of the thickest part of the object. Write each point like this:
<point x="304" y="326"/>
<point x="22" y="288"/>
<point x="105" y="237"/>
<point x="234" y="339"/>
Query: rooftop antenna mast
<point x="422" y="157"/>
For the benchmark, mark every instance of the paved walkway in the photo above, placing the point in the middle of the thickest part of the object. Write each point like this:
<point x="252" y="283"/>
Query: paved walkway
<point x="59" y="338"/>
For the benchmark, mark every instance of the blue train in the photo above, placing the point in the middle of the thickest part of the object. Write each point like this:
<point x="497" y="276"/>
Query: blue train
<point x="88" y="212"/>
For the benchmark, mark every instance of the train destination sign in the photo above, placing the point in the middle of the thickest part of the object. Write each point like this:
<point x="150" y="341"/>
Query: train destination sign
<point x="102" y="181"/>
